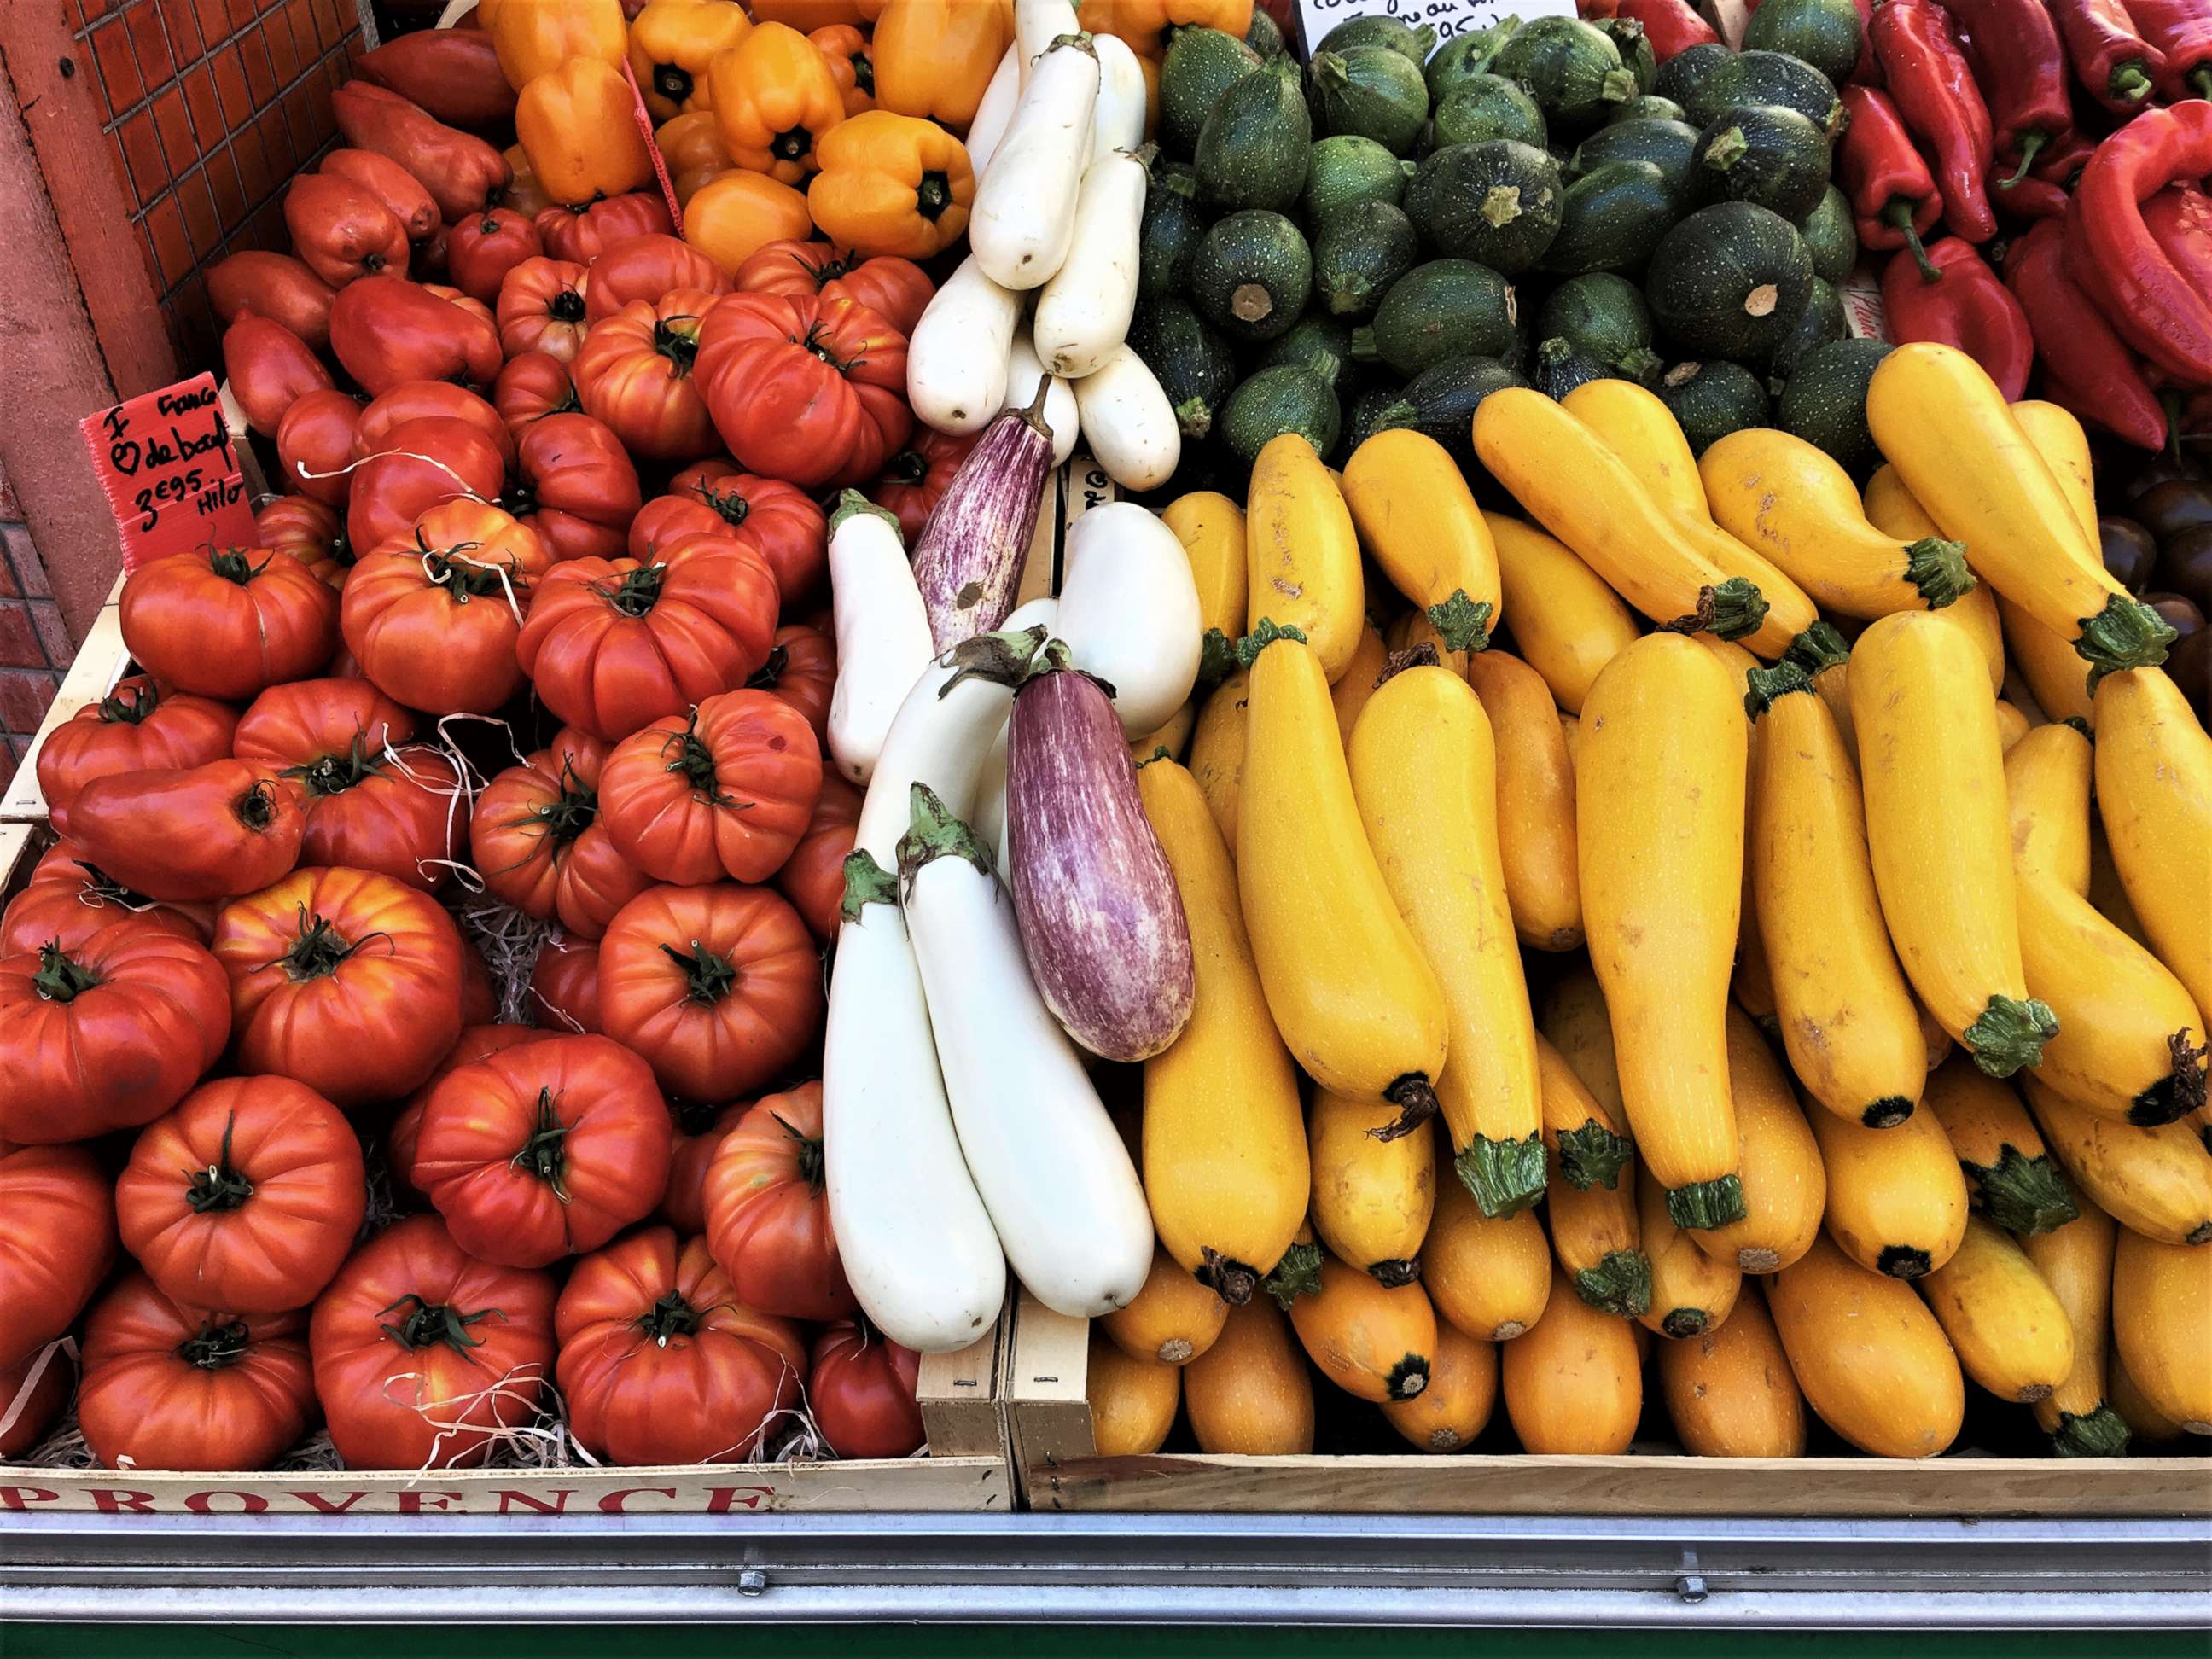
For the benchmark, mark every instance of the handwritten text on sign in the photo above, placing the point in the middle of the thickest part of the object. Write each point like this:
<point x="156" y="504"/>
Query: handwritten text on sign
<point x="172" y="478"/>
<point x="1447" y="17"/>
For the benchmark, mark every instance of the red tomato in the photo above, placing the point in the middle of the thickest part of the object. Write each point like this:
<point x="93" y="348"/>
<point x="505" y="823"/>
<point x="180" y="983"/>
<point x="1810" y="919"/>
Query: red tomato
<point x="314" y="442"/>
<point x="719" y="986"/>
<point x="133" y="727"/>
<point x="612" y="644"/>
<point x="862" y="1392"/>
<point x="57" y="1240"/>
<point x="727" y="789"/>
<point x="345" y="980"/>
<point x="699" y="1131"/>
<point x="175" y="1387"/>
<point x="810" y="390"/>
<point x="309" y="718"/>
<point x="564" y="985"/>
<point x="385" y="330"/>
<point x="108" y="1036"/>
<point x="645" y="268"/>
<point x="536" y="839"/>
<point x="474" y="1043"/>
<point x="813" y="876"/>
<point x="532" y="386"/>
<point x="635" y="373"/>
<point x="541" y="308"/>
<point x="484" y="246"/>
<point x="225" y="623"/>
<point x="270" y="368"/>
<point x="896" y="289"/>
<point x="419" y="464"/>
<point x="767" y="1217"/>
<point x="246" y="1198"/>
<point x="66" y="900"/>
<point x="422" y="1352"/>
<point x="310" y="531"/>
<point x="660" y="1364"/>
<point x="918" y="476"/>
<point x="186" y="836"/>
<point x="274" y="285"/>
<point x="782" y="520"/>
<point x="588" y="229"/>
<point x="34" y="1391"/>
<point x="574" y="485"/>
<point x="427" y="400"/>
<point x="801" y="670"/>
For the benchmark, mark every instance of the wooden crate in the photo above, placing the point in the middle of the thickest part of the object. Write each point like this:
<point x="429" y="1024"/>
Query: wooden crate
<point x="1058" y="1466"/>
<point x="100" y="662"/>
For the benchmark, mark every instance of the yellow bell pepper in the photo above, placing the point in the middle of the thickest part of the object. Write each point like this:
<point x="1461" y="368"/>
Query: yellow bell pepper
<point x="691" y="146"/>
<point x="773" y="97"/>
<point x="671" y="44"/>
<point x="733" y="217"/>
<point x="845" y="49"/>
<point x="1145" y="24"/>
<point x="578" y="125"/>
<point x="934" y="57"/>
<point x="534" y="36"/>
<point x="892" y="184"/>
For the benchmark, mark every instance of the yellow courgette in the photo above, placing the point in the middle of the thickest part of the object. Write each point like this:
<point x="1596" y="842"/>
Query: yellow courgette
<point x="2154" y="1179"/>
<point x="1172" y="1320"/>
<point x="2010" y="1333"/>
<point x="1591" y="1206"/>
<point x="1536" y="801"/>
<point x="1217" y="750"/>
<point x="2162" y="1325"/>
<point x="1456" y="1406"/>
<point x="1897" y="1200"/>
<point x="2047" y="784"/>
<point x="1692" y="1291"/>
<point x="1567" y="622"/>
<point x="1574" y="1383"/>
<point x="1357" y="682"/>
<point x="1488" y="1277"/>
<point x="1641" y="429"/>
<point x="1372" y="1341"/>
<point x="2010" y="1174"/>
<point x="1730" y="1390"/>
<point x="1417" y="521"/>
<point x="1373" y="1196"/>
<point x="1212" y="530"/>
<point x="1132" y="1402"/>
<point x="2154" y="796"/>
<point x="1301" y="554"/>
<point x="2076" y="1261"/>
<point x="1785" y="1189"/>
<point x="1250" y="1393"/>
<point x="1873" y="1361"/>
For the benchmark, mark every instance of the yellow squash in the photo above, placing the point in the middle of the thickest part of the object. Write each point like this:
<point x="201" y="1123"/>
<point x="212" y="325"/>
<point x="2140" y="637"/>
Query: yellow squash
<point x="2010" y="1174"/>
<point x="1577" y="1023"/>
<point x="1942" y="423"/>
<point x="1173" y="1318"/>
<point x="2146" y="1425"/>
<point x="1456" y="1406"/>
<point x="1641" y="429"/>
<point x="1574" y="1383"/>
<point x="2163" y="1326"/>
<point x="1302" y="556"/>
<point x="1659" y="781"/>
<point x="1591" y="1206"/>
<point x="1691" y="1289"/>
<point x="1410" y="630"/>
<point x="1567" y="622"/>
<point x="1785" y="1189"/>
<point x="1250" y="1393"/>
<point x="1225" y="1143"/>
<point x="1357" y="682"/>
<point x="1171" y="737"/>
<point x="2012" y="724"/>
<point x="1424" y="775"/>
<point x="1212" y="530"/>
<point x="1217" y="750"/>
<point x="2076" y="1261"/>
<point x="1890" y="508"/>
<point x="1371" y="1340"/>
<point x="2010" y="1333"/>
<point x="1487" y="1278"/>
<point x="1536" y="801"/>
<point x="2047" y="663"/>
<point x="2045" y="658"/>
<point x="2047" y="783"/>
<point x="1729" y="1391"/>
<point x="1752" y="983"/>
<point x="1897" y="1200"/>
<point x="1132" y="1402"/>
<point x="2106" y="891"/>
<point x="2154" y="796"/>
<point x="1933" y="774"/>
<point x="2154" y="1180"/>
<point x="1372" y="1197"/>
<point x="1846" y="1013"/>
<point x="1417" y="521"/>
<point x="1872" y="1360"/>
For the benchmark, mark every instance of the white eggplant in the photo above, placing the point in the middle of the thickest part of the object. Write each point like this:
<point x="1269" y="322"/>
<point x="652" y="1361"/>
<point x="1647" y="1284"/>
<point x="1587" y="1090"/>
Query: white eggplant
<point x="883" y="631"/>
<point x="1037" y="24"/>
<point x="956" y="361"/>
<point x="1119" y="123"/>
<point x="1023" y="219"/>
<point x="1128" y="421"/>
<point x="1083" y="312"/>
<point x="1024" y="371"/>
<point x="994" y="111"/>
<point x="1128" y="611"/>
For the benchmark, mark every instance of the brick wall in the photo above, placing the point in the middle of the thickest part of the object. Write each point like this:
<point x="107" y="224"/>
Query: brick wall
<point x="35" y="646"/>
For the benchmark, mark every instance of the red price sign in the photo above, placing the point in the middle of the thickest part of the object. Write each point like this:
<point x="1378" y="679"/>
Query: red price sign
<point x="643" y="117"/>
<point x="172" y="478"/>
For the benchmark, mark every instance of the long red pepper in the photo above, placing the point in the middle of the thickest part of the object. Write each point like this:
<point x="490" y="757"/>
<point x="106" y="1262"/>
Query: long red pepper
<point x="2038" y="198"/>
<point x="2014" y="47"/>
<point x="1671" y="26"/>
<point x="2110" y="55"/>
<point x="1969" y="308"/>
<point x="2158" y="307"/>
<point x="2062" y="162"/>
<point x="2182" y="31"/>
<point x="2179" y="220"/>
<point x="1934" y="91"/>
<point x="1894" y="198"/>
<point x="2077" y="343"/>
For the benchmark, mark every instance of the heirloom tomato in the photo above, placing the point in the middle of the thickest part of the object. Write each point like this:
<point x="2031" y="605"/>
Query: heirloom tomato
<point x="418" y="464"/>
<point x="860" y="1392"/>
<point x="276" y="286"/>
<point x="531" y="387"/>
<point x="541" y="308"/>
<point x="700" y="1127"/>
<point x="309" y="532"/>
<point x="801" y="670"/>
<point x="57" y="1242"/>
<point x="463" y="174"/>
<point x="136" y="726"/>
<point x="585" y="231"/>
<point x="187" y="836"/>
<point x="225" y="623"/>
<point x="400" y="192"/>
<point x="898" y="290"/>
<point x="780" y="519"/>
<point x="635" y="373"/>
<point x="484" y="246"/>
<point x="474" y="1043"/>
<point x="314" y="444"/>
<point x="813" y="876"/>
<point x="919" y="475"/>
<point x="537" y="840"/>
<point x="574" y="485"/>
<point x="812" y="391"/>
<point x="385" y="330"/>
<point x="425" y="400"/>
<point x="564" y="985"/>
<point x="67" y="899"/>
<point x="726" y="789"/>
<point x="767" y="1217"/>
<point x="268" y="369"/>
<point x="645" y="268"/>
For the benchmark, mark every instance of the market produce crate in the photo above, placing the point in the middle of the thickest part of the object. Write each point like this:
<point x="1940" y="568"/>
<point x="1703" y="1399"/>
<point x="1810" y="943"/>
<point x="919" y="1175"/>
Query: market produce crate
<point x="102" y="660"/>
<point x="1049" y="1422"/>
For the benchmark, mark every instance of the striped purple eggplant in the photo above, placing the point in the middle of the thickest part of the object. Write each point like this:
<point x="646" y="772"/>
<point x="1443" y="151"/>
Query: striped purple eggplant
<point x="968" y="559"/>
<point x="1101" y="922"/>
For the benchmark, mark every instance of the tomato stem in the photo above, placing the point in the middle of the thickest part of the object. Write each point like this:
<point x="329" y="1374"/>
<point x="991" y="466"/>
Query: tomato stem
<point x="333" y="774"/>
<point x="257" y="807"/>
<point x="566" y="306"/>
<point x="232" y="566"/>
<point x="669" y="1318"/>
<point x="318" y="950"/>
<point x="639" y="591"/>
<point x="770" y="673"/>
<point x="679" y="344"/>
<point x="810" y="1152"/>
<point x="61" y="977"/>
<point x="427" y="1323"/>
<point x="216" y="1346"/>
<point x="218" y="1187"/>
<point x="709" y="977"/>
<point x="730" y="503"/>
<point x="117" y="708"/>
<point x="542" y="1155"/>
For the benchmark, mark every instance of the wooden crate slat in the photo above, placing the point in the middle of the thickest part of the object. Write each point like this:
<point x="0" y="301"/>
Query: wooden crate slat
<point x="99" y="664"/>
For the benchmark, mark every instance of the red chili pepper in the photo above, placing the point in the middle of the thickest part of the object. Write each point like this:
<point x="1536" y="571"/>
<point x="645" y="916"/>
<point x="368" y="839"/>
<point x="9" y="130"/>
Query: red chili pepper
<point x="2021" y="69"/>
<point x="1934" y="91"/>
<point x="1894" y="197"/>
<point x="2182" y="31"/>
<point x="2110" y="55"/>
<point x="2062" y="162"/>
<point x="1968" y="308"/>
<point x="2158" y="306"/>
<point x="2038" y="198"/>
<point x="2077" y="343"/>
<point x="1671" y="26"/>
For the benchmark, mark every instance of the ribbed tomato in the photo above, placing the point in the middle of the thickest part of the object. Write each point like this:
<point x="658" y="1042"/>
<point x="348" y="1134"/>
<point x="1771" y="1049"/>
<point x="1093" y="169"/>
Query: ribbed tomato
<point x="67" y="900"/>
<point x="484" y="246"/>
<point x="612" y="644"/>
<point x="135" y="726"/>
<point x="916" y="478"/>
<point x="348" y="980"/>
<point x="544" y="1149"/>
<point x="767" y="1217"/>
<point x="726" y="789"/>
<point x="584" y="231"/>
<point x="719" y="986"/>
<point x="564" y="985"/>
<point x="635" y="373"/>
<point x="422" y="1352"/>
<point x="714" y="497"/>
<point x="310" y="531"/>
<point x="246" y="1197"/>
<point x="811" y="391"/>
<point x="700" y="1127"/>
<point x="185" y="837"/>
<point x="225" y="623"/>
<point x="474" y="1043"/>
<point x="314" y="442"/>
<point x="660" y="1363"/>
<point x="862" y="1392"/>
<point x="418" y="464"/>
<point x="180" y="1388"/>
<point x="573" y="484"/>
<point x="645" y="268"/>
<point x="429" y="400"/>
<point x="898" y="290"/>
<point x="801" y="670"/>
<point x="537" y="840"/>
<point x="108" y="1036"/>
<point x="813" y="876"/>
<point x="531" y="387"/>
<point x="57" y="1242"/>
<point x="541" y="308"/>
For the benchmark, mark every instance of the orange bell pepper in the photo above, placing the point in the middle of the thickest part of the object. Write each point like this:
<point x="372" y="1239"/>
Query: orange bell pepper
<point x="534" y="36"/>
<point x="934" y="57"/>
<point x="578" y="125"/>
<point x="846" y="50"/>
<point x="671" y="44"/>
<point x="773" y="97"/>
<point x="892" y="184"/>
<point x="1145" y="24"/>
<point x="691" y="146"/>
<point x="805" y="14"/>
<point x="733" y="217"/>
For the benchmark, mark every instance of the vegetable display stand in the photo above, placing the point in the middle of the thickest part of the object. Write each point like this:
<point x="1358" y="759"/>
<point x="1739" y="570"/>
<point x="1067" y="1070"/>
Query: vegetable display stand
<point x="1049" y="1420"/>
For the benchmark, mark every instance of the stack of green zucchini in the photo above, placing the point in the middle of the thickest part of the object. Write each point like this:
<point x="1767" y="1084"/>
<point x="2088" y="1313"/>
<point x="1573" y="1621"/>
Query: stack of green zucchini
<point x="1383" y="236"/>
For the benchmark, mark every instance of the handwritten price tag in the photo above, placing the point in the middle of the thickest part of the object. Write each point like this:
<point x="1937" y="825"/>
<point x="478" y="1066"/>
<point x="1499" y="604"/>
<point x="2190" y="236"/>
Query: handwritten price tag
<point x="1447" y="17"/>
<point x="166" y="462"/>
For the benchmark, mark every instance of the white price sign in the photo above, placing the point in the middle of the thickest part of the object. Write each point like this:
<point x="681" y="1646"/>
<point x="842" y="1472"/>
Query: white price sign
<point x="1447" y="17"/>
